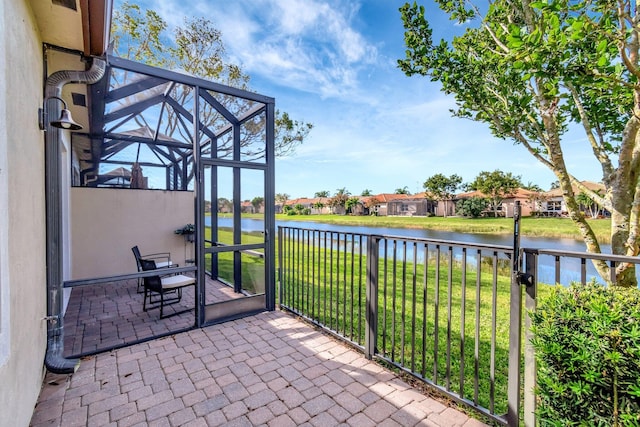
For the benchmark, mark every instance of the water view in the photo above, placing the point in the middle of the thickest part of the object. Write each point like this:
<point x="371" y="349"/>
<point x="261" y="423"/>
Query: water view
<point x="570" y="267"/>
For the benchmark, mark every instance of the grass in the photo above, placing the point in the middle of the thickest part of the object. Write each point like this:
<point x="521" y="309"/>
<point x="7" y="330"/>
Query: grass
<point x="253" y="270"/>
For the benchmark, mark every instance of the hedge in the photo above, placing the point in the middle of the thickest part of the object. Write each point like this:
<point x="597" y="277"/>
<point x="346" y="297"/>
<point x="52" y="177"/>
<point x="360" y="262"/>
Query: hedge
<point x="587" y="344"/>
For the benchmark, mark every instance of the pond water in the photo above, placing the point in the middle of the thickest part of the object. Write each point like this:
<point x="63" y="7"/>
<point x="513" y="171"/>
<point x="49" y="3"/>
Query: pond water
<point x="546" y="272"/>
<point x="249" y="225"/>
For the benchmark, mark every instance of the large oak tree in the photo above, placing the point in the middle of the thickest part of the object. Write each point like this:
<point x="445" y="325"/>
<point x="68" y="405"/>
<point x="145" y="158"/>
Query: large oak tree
<point x="530" y="68"/>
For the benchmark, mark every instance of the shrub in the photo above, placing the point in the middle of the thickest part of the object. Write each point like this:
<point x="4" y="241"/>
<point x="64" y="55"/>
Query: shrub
<point x="472" y="207"/>
<point x="587" y="344"/>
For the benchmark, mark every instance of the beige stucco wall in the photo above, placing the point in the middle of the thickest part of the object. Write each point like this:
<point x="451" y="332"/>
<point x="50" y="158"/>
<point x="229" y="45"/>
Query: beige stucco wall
<point x="106" y="223"/>
<point x="22" y="214"/>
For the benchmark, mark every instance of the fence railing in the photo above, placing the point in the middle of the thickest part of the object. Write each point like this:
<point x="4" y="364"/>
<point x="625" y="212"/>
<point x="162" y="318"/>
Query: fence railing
<point x="447" y="313"/>
<point x="428" y="307"/>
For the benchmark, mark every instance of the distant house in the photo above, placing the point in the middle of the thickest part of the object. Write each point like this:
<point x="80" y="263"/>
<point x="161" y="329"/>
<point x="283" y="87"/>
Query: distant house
<point x="554" y="204"/>
<point x="316" y="205"/>
<point x="379" y="204"/>
<point x="412" y="205"/>
<point x="247" y="207"/>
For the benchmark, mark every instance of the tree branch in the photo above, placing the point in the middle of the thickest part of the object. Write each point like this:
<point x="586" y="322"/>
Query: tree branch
<point x="598" y="150"/>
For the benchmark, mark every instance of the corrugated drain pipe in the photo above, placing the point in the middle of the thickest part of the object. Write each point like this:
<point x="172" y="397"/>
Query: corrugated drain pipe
<point x="54" y="359"/>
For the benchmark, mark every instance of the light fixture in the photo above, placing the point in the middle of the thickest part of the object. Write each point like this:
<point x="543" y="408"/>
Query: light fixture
<point x="64" y="122"/>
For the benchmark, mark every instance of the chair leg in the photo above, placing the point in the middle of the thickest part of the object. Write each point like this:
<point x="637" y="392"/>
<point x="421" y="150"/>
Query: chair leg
<point x="161" y="303"/>
<point x="144" y="304"/>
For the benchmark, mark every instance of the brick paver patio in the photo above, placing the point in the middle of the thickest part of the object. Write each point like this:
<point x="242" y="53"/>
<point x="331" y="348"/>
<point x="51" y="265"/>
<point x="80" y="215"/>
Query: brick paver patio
<point x="101" y="317"/>
<point x="269" y="369"/>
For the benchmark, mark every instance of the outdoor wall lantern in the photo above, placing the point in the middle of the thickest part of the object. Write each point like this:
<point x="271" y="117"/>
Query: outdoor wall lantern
<point x="64" y="122"/>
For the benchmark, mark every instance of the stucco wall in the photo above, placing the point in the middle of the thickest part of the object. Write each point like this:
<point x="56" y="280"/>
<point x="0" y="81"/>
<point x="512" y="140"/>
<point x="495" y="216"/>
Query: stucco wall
<point x="22" y="214"/>
<point x="106" y="223"/>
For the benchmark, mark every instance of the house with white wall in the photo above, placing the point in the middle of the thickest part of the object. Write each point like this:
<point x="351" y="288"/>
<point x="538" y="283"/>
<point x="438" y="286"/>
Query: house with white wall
<point x="27" y="27"/>
<point x="554" y="204"/>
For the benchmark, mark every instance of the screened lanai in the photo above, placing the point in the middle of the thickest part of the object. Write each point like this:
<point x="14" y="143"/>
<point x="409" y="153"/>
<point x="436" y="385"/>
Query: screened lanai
<point x="157" y="154"/>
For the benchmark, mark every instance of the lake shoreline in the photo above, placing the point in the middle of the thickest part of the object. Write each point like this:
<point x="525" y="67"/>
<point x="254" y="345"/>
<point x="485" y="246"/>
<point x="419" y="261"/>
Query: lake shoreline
<point x="561" y="228"/>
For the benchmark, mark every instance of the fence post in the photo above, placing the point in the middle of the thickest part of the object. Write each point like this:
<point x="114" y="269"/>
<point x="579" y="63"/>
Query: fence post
<point x="371" y="334"/>
<point x="530" y="379"/>
<point x="515" y="324"/>
<point x="280" y="257"/>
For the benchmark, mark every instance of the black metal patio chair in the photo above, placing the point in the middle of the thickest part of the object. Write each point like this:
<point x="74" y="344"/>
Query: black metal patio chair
<point x="162" y="260"/>
<point x="167" y="289"/>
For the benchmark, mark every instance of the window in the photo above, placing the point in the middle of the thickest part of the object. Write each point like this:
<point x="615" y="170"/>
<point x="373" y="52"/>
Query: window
<point x="554" y="205"/>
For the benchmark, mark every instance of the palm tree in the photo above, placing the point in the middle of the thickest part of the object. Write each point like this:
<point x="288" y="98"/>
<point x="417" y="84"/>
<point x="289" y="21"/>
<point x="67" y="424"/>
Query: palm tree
<point x="589" y="204"/>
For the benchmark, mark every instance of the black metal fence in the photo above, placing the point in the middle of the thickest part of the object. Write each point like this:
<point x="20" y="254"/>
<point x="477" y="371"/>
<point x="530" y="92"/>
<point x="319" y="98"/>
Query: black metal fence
<point x="448" y="313"/>
<point x="428" y="307"/>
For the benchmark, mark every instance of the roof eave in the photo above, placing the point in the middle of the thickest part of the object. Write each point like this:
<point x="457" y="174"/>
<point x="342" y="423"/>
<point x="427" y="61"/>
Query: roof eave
<point x="96" y="25"/>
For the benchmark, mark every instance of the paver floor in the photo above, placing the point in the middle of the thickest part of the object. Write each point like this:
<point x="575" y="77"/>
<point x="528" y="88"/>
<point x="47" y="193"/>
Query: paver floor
<point x="270" y="369"/>
<point x="109" y="315"/>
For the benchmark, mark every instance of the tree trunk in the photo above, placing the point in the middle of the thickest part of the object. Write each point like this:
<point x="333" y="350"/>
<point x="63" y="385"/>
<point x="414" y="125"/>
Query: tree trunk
<point x="624" y="221"/>
<point x="559" y="168"/>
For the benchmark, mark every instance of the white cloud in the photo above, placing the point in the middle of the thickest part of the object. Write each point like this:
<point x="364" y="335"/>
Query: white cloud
<point x="374" y="127"/>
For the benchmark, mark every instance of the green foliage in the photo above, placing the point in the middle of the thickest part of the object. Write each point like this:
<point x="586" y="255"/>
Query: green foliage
<point x="351" y="204"/>
<point x="471" y="207"/>
<point x="588" y="203"/>
<point x="587" y="343"/>
<point x="187" y="229"/>
<point x="496" y="186"/>
<point x="442" y="187"/>
<point x="340" y="199"/>
<point x="257" y="202"/>
<point x="532" y="187"/>
<point x="528" y="70"/>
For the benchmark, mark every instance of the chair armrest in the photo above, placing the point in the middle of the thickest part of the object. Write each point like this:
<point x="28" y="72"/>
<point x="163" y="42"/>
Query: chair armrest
<point x="166" y="256"/>
<point x="157" y="255"/>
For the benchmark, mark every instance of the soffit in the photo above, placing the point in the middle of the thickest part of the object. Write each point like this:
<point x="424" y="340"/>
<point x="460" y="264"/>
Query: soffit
<point x="84" y="29"/>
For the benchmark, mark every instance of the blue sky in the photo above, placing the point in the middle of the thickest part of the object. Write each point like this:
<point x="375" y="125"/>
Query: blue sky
<point x="333" y="63"/>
